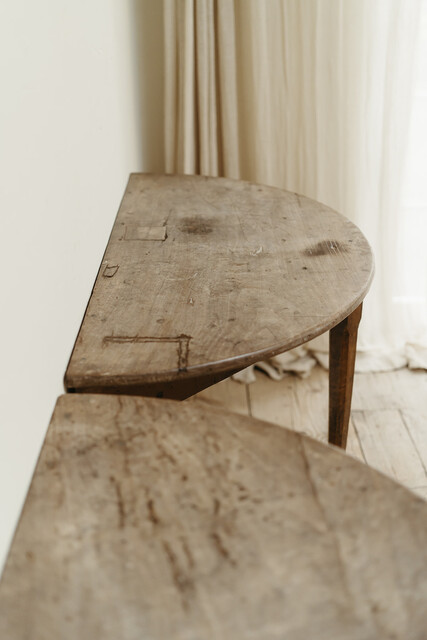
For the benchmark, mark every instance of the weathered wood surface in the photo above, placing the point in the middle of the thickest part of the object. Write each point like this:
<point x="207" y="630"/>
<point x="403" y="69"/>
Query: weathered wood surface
<point x="161" y="520"/>
<point x="204" y="276"/>
<point x="388" y="426"/>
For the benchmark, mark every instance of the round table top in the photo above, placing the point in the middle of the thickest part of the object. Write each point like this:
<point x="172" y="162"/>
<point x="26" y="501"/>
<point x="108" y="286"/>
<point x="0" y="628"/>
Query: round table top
<point x="203" y="275"/>
<point x="155" y="519"/>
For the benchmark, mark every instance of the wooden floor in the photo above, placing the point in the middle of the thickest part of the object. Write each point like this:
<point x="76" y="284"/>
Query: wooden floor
<point x="388" y="422"/>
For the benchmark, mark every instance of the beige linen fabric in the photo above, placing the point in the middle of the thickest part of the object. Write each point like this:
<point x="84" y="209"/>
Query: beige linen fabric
<point x="313" y="96"/>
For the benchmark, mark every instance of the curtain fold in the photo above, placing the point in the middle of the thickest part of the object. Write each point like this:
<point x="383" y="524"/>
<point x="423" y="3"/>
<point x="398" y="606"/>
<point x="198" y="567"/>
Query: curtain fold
<point x="201" y="115"/>
<point x="313" y="96"/>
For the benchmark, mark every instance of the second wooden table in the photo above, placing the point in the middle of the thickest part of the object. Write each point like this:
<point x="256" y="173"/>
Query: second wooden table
<point x="205" y="276"/>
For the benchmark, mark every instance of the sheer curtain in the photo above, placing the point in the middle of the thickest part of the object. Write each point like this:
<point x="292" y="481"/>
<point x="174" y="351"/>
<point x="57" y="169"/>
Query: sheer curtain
<point x="410" y="296"/>
<point x="314" y="96"/>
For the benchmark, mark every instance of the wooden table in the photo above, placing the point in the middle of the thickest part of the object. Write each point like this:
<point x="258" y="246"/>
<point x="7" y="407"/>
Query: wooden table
<point x="152" y="519"/>
<point x="205" y="276"/>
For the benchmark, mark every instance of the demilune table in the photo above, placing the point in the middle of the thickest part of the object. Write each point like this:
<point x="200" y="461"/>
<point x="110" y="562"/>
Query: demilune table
<point x="153" y="519"/>
<point x="205" y="276"/>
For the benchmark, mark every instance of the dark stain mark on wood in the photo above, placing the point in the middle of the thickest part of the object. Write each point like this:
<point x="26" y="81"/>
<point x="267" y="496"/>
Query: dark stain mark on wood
<point x="181" y="581"/>
<point x="110" y="271"/>
<point x="154" y="518"/>
<point x="325" y="247"/>
<point x="188" y="553"/>
<point x="163" y="453"/>
<point x="221" y="548"/>
<point x="120" y="503"/>
<point x="196" y="225"/>
<point x="182" y="341"/>
<point x="82" y="451"/>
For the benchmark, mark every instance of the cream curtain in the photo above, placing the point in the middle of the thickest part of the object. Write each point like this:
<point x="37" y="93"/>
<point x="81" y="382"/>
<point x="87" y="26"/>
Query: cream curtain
<point x="313" y="96"/>
<point x="201" y="108"/>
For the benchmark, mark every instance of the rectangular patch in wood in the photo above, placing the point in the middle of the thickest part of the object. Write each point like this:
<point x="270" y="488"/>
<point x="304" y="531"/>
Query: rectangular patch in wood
<point x="134" y="232"/>
<point x="141" y="346"/>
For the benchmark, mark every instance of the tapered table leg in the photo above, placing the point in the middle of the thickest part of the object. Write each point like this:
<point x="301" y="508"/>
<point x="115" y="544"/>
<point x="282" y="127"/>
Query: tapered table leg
<point x="342" y="355"/>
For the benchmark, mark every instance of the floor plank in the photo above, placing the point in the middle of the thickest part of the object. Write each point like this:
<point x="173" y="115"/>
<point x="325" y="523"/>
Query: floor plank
<point x="390" y="390"/>
<point x="295" y="403"/>
<point x="300" y="404"/>
<point x="388" y="426"/>
<point x="416" y="425"/>
<point x="227" y="393"/>
<point x="388" y="446"/>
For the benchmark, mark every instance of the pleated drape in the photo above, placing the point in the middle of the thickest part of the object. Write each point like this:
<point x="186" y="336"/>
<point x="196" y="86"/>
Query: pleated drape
<point x="201" y="114"/>
<point x="310" y="95"/>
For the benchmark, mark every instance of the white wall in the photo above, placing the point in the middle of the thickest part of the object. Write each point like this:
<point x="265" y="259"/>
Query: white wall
<point x="74" y="121"/>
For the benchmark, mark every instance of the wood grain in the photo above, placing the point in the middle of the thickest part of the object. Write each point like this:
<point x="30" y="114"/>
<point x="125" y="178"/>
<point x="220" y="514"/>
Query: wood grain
<point x="295" y="403"/>
<point x="241" y="272"/>
<point x="342" y="356"/>
<point x="389" y="447"/>
<point x="388" y="425"/>
<point x="154" y="519"/>
<point x="230" y="395"/>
